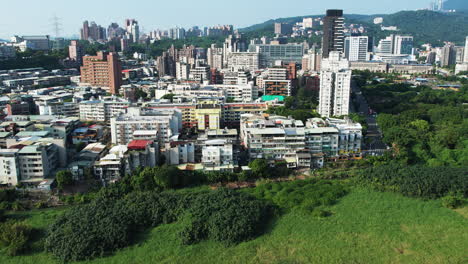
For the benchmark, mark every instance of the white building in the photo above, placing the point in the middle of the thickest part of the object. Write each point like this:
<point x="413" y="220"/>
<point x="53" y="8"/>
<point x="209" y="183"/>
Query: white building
<point x="102" y="110"/>
<point x="243" y="61"/>
<point x="9" y="167"/>
<point x="182" y="71"/>
<point x="179" y="152"/>
<point x="38" y="161"/>
<point x="167" y="123"/>
<point x="218" y="155"/>
<point x="335" y="86"/>
<point x="308" y="22"/>
<point x="356" y="48"/>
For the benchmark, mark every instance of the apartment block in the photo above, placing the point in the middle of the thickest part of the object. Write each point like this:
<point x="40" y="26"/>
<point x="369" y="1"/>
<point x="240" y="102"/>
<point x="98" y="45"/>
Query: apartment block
<point x="103" y="70"/>
<point x="164" y="123"/>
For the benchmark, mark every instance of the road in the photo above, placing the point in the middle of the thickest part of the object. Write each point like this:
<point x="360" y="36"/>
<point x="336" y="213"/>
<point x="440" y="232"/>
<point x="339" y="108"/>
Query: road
<point x="373" y="143"/>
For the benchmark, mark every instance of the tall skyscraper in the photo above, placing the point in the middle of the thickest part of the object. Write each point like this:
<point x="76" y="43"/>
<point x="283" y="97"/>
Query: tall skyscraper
<point x="76" y="52"/>
<point x="333" y="32"/>
<point x="356" y="48"/>
<point x="283" y="29"/>
<point x="103" y="70"/>
<point x="85" y="31"/>
<point x="92" y="31"/>
<point x="465" y="60"/>
<point x="448" y="55"/>
<point x="132" y="28"/>
<point x="335" y="86"/>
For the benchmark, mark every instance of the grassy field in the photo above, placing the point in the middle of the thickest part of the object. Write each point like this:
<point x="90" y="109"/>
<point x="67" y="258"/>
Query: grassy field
<point x="366" y="227"/>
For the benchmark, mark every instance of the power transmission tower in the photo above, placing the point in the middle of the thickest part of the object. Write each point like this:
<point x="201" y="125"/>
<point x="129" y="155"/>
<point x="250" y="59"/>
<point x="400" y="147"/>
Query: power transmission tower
<point x="56" y="25"/>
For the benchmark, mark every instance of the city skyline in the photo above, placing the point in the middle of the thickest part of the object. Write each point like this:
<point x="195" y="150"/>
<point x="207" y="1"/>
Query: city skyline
<point x="151" y="17"/>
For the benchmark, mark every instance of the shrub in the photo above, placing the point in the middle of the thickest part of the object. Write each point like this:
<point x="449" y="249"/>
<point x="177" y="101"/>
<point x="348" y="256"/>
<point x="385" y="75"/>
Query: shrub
<point x="110" y="223"/>
<point x="15" y="236"/>
<point x="453" y="200"/>
<point x="417" y="181"/>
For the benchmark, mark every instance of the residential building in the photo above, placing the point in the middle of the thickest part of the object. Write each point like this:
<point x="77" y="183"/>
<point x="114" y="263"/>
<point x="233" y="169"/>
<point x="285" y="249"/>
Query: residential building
<point x="182" y="71"/>
<point x="103" y="70"/>
<point x="448" y="55"/>
<point x="283" y="29"/>
<point x="102" y="110"/>
<point x="142" y="154"/>
<point x="243" y="61"/>
<point x="333" y="32"/>
<point x="9" y="167"/>
<point x="179" y="152"/>
<point x="218" y="155"/>
<point x="465" y="60"/>
<point x="76" y="52"/>
<point x="38" y="162"/>
<point x="112" y="167"/>
<point x="335" y="86"/>
<point x="167" y="123"/>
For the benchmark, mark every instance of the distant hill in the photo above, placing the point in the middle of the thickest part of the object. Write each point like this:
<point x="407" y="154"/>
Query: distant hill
<point x="431" y="27"/>
<point x="456" y="4"/>
<point x="426" y="26"/>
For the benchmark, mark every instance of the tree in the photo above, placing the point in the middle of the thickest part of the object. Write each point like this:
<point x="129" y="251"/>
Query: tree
<point x="167" y="177"/>
<point x="260" y="168"/>
<point x="15" y="236"/>
<point x="63" y="178"/>
<point x="168" y="97"/>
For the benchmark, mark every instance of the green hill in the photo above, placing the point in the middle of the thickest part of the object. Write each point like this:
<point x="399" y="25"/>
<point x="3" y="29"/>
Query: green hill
<point x="425" y="26"/>
<point x="431" y="27"/>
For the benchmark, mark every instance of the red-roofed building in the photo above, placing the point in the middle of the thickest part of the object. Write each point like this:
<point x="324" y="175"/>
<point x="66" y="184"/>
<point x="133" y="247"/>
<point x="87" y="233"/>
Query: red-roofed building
<point x="139" y="144"/>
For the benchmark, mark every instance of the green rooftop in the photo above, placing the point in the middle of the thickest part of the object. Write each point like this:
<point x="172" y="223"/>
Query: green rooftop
<point x="267" y="98"/>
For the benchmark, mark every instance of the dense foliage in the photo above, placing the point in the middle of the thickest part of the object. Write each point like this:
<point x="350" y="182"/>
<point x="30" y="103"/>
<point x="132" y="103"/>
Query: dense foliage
<point x="430" y="27"/>
<point x="423" y="125"/>
<point x="300" y="107"/>
<point x="309" y="196"/>
<point x="417" y="181"/>
<point x="33" y="59"/>
<point x="15" y="237"/>
<point x="109" y="223"/>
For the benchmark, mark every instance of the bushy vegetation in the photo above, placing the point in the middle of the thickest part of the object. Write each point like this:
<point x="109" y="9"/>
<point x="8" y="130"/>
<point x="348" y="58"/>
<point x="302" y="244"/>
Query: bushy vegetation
<point x="309" y="196"/>
<point x="109" y="223"/>
<point x="15" y="237"/>
<point x="417" y="181"/>
<point x="300" y="106"/>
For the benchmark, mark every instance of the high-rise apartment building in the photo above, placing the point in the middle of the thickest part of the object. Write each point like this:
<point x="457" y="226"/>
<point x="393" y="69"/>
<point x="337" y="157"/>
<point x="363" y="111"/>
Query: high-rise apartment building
<point x="465" y="60"/>
<point x="448" y="55"/>
<point x="103" y="70"/>
<point x="356" y="48"/>
<point x="283" y="29"/>
<point x="76" y="52"/>
<point x="132" y="28"/>
<point x="333" y="32"/>
<point x="93" y="32"/>
<point x="335" y="86"/>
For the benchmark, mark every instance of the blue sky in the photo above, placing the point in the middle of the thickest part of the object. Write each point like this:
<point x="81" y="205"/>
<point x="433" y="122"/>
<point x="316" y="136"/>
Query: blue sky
<point x="34" y="16"/>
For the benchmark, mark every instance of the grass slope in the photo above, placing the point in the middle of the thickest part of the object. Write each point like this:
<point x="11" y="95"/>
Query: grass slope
<point x="367" y="227"/>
